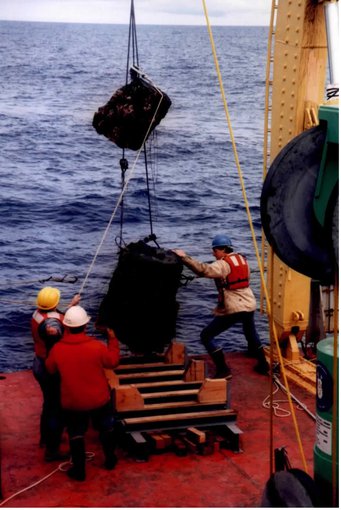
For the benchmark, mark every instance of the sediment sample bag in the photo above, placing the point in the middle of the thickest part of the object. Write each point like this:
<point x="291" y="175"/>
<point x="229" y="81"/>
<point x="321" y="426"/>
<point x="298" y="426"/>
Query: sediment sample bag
<point x="127" y="119"/>
<point x="140" y="305"/>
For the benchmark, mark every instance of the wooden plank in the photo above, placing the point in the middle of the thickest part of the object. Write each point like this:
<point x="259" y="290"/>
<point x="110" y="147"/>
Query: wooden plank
<point x="176" y="353"/>
<point x="167" y="394"/>
<point x="167" y="439"/>
<point x="147" y="367"/>
<point x="190" y="444"/>
<point x="292" y="351"/>
<point x="196" y="435"/>
<point x="172" y="385"/>
<point x="169" y="374"/>
<point x="192" y="404"/>
<point x="213" y="390"/>
<point x="169" y="408"/>
<point x="141" y="359"/>
<point x="301" y="372"/>
<point x="127" y="398"/>
<point x="152" y="374"/>
<point x="112" y="378"/>
<point x="179" y="420"/>
<point x="195" y="370"/>
<point x="180" y="449"/>
<point x="158" y="441"/>
<point x="209" y="414"/>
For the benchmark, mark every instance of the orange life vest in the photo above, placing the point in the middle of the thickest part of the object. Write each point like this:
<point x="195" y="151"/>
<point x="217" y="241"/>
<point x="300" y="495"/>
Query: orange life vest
<point x="40" y="347"/>
<point x="239" y="277"/>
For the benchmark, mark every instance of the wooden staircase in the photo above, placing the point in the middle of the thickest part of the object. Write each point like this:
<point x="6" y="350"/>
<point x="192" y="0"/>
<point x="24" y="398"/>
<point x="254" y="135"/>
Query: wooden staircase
<point x="167" y="402"/>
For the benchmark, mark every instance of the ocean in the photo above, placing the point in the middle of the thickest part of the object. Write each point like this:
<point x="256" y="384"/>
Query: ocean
<point x="60" y="180"/>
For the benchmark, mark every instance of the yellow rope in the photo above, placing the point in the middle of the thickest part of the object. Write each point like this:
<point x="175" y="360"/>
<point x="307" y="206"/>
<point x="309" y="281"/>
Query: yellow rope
<point x="272" y="325"/>
<point x="274" y="332"/>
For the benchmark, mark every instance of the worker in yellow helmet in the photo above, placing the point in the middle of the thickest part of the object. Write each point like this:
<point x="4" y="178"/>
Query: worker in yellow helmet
<point x="47" y="328"/>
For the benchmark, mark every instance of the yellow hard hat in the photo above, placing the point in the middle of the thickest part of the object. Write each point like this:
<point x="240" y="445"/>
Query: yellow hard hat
<point x="48" y="298"/>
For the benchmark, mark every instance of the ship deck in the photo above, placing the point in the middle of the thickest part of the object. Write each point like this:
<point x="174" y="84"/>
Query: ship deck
<point x="221" y="479"/>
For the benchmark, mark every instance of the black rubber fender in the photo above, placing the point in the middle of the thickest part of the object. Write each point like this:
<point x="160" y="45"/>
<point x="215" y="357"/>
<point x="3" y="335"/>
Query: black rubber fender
<point x="292" y="488"/>
<point x="287" y="208"/>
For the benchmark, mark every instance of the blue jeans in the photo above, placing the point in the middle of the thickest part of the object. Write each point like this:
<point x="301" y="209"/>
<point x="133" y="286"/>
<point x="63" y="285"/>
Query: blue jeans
<point x="223" y="323"/>
<point x="51" y="419"/>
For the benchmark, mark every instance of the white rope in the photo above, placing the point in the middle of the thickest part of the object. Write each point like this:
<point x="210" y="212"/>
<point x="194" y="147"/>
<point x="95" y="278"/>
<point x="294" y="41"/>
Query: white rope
<point x="130" y="175"/>
<point x="300" y="405"/>
<point x="277" y="410"/>
<point x="280" y="411"/>
<point x="61" y="467"/>
<point x="30" y="486"/>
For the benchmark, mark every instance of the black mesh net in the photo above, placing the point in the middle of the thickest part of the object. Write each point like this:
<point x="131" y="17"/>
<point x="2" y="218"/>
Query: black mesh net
<point x="141" y="305"/>
<point x="127" y="116"/>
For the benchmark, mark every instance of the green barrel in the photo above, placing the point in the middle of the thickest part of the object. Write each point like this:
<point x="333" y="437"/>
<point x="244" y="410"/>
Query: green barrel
<point x="324" y="417"/>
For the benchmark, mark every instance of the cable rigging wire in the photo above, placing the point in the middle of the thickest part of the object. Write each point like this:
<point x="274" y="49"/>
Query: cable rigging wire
<point x="133" y="49"/>
<point x="123" y="162"/>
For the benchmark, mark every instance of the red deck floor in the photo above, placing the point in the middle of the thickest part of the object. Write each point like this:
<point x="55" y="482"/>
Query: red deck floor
<point x="223" y="479"/>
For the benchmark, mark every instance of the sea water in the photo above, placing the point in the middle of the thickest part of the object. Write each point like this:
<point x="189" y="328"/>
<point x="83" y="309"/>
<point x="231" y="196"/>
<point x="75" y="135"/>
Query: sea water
<point x="61" y="181"/>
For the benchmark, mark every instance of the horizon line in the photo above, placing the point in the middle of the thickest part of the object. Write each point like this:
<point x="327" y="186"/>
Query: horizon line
<point x="124" y="24"/>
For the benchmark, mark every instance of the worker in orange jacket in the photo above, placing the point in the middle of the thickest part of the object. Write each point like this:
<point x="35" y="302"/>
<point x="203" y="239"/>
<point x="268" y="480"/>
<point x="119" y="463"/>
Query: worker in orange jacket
<point x="85" y="394"/>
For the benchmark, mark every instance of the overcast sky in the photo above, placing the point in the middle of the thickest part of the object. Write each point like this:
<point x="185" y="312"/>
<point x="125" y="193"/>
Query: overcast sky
<point x="169" y="12"/>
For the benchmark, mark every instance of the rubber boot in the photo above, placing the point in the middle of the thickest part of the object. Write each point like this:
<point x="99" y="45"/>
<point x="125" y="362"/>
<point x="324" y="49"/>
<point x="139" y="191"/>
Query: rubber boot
<point x="52" y="453"/>
<point x="77" y="448"/>
<point x="262" y="367"/>
<point x="108" y="444"/>
<point x="252" y="351"/>
<point x="222" y="369"/>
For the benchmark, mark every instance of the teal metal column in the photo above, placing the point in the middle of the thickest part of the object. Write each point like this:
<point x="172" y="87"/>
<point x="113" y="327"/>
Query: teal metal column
<point x="324" y="411"/>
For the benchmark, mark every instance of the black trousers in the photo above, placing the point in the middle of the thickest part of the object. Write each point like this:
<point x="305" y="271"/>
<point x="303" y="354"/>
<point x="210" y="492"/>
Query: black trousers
<point x="77" y="422"/>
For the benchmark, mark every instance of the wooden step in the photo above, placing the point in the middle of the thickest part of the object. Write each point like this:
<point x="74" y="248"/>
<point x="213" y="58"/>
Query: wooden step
<point x="128" y="397"/>
<point x="179" y="420"/>
<point x="141" y="360"/>
<point x="147" y="367"/>
<point x="169" y="395"/>
<point x="150" y="387"/>
<point x="168" y="408"/>
<point x="150" y="376"/>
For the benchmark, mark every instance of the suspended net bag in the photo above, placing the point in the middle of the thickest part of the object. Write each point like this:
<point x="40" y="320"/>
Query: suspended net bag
<point x="141" y="305"/>
<point x="132" y="113"/>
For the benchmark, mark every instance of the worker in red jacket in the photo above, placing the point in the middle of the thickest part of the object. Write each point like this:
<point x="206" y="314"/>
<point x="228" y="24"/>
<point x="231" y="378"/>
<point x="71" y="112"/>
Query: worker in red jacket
<point x="85" y="394"/>
<point x="47" y="328"/>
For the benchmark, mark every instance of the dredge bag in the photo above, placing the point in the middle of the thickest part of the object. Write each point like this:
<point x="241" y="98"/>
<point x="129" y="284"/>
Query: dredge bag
<point x="140" y="305"/>
<point x="133" y="110"/>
